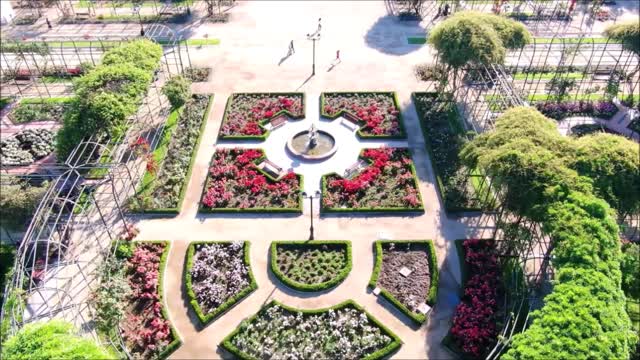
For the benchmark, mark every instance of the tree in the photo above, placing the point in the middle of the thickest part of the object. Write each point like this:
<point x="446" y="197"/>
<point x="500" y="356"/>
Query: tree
<point x="51" y="340"/>
<point x="18" y="202"/>
<point x="627" y="33"/>
<point x="630" y="267"/>
<point x="177" y="90"/>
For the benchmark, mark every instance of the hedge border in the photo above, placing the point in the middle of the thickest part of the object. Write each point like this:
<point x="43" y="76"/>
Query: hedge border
<point x="386" y="351"/>
<point x="432" y="293"/>
<point x="194" y="154"/>
<point x="175" y="344"/>
<point x="419" y="210"/>
<point x="205" y="319"/>
<point x="394" y="96"/>
<point x="439" y="184"/>
<point x="262" y="122"/>
<point x="311" y="287"/>
<point x="296" y="210"/>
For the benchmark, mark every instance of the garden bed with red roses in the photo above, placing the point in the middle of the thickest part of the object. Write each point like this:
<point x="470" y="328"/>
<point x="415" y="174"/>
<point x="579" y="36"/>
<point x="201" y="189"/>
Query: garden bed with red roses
<point x="146" y="330"/>
<point x="246" y="113"/>
<point x="378" y="113"/>
<point x="236" y="184"/>
<point x="474" y="331"/>
<point x="389" y="183"/>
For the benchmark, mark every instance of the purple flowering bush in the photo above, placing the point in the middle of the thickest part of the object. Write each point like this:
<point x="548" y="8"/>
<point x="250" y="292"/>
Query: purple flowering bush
<point x="561" y="110"/>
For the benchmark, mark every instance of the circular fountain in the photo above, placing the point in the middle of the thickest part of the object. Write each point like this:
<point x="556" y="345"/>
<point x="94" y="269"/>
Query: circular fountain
<point x="312" y="144"/>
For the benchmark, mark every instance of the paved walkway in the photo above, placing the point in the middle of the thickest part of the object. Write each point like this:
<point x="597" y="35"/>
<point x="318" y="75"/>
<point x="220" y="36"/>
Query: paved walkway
<point x="618" y="123"/>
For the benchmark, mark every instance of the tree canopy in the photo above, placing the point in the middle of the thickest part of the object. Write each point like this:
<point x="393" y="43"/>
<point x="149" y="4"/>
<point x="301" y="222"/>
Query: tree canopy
<point x="51" y="340"/>
<point x="627" y="33"/>
<point x="471" y="37"/>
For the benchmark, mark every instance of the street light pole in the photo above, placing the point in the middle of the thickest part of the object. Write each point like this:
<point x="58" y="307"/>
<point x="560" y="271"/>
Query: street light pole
<point x="310" y="197"/>
<point x="137" y="9"/>
<point x="313" y="37"/>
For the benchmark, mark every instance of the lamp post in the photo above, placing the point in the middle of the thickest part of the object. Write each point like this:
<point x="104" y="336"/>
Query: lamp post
<point x="310" y="197"/>
<point x="313" y="37"/>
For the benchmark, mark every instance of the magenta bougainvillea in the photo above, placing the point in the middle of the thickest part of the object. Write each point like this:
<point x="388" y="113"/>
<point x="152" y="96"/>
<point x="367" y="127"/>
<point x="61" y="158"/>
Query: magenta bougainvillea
<point x="388" y="182"/>
<point x="474" y="321"/>
<point x="246" y="111"/>
<point x="235" y="182"/>
<point x="377" y="112"/>
<point x="145" y="330"/>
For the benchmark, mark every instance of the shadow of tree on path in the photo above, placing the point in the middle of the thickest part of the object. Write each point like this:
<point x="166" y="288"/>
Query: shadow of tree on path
<point x="389" y="35"/>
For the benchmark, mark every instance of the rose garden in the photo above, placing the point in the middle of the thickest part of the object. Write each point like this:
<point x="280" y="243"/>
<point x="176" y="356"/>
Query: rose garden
<point x="395" y="188"/>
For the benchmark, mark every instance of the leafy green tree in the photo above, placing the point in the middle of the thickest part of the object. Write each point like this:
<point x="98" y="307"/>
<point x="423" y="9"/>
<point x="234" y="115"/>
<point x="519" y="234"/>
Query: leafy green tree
<point x="51" y="340"/>
<point x="177" y="90"/>
<point x="628" y="33"/>
<point x="142" y="54"/>
<point x="611" y="161"/>
<point x="630" y="267"/>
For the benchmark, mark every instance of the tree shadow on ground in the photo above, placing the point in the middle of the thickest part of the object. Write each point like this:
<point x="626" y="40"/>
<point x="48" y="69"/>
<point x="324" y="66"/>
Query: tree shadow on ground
<point x="389" y="35"/>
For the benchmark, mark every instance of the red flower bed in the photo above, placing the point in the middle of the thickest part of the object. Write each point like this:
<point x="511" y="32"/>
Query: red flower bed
<point x="388" y="182"/>
<point x="474" y="321"/>
<point x="246" y="112"/>
<point x="377" y="112"/>
<point x="145" y="330"/>
<point x="235" y="182"/>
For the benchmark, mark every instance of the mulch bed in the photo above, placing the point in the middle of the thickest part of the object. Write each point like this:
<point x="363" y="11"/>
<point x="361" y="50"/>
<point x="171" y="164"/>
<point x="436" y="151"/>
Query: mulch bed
<point x="413" y="289"/>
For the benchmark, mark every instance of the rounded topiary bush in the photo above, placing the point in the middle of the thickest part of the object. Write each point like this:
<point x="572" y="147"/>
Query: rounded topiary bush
<point x="177" y="90"/>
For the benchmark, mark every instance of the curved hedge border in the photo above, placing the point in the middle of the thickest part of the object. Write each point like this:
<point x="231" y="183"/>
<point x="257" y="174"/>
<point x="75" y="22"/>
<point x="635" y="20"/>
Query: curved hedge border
<point x="403" y="132"/>
<point x="175" y="344"/>
<point x="326" y="209"/>
<point x="386" y="351"/>
<point x="310" y="287"/>
<point x="432" y="295"/>
<point x="232" y="301"/>
<point x="296" y="210"/>
<point x="194" y="153"/>
<point x="264" y="121"/>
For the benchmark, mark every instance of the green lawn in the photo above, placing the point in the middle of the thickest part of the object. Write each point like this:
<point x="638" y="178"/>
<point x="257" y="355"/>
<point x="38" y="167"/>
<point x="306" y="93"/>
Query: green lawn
<point x="200" y="42"/>
<point x="547" y="76"/>
<point x="4" y="102"/>
<point x="84" y="4"/>
<point x="416" y="40"/>
<point x="112" y="43"/>
<point x="51" y="100"/>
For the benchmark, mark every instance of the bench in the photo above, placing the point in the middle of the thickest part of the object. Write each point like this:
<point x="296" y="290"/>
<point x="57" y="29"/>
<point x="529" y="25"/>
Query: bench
<point x="271" y="168"/>
<point x="82" y="15"/>
<point x="278" y="121"/>
<point x="353" y="169"/>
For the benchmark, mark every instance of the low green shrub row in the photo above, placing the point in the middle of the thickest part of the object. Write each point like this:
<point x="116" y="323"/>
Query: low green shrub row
<point x="433" y="272"/>
<point x="382" y="353"/>
<point x="315" y="243"/>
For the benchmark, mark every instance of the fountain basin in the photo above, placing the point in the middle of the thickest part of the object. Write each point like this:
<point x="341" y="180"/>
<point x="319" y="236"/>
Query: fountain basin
<point x="325" y="146"/>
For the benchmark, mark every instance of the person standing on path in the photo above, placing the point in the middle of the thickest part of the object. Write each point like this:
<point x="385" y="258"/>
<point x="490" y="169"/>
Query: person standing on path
<point x="48" y="23"/>
<point x="291" y="49"/>
<point x="319" y="25"/>
<point x="338" y="57"/>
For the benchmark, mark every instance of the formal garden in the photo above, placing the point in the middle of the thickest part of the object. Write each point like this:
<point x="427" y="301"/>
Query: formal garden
<point x="445" y="195"/>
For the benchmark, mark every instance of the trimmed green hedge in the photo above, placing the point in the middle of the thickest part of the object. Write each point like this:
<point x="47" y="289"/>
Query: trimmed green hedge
<point x="420" y="209"/>
<point x="384" y="352"/>
<point x="310" y="287"/>
<point x="263" y="122"/>
<point x="183" y="190"/>
<point x="403" y="132"/>
<point x="432" y="295"/>
<point x="232" y="301"/>
<point x="296" y="210"/>
<point x="175" y="344"/>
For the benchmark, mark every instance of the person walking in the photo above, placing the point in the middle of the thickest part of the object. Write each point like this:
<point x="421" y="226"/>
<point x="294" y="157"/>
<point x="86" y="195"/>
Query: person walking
<point x="338" y="56"/>
<point x="291" y="49"/>
<point x="48" y="23"/>
<point x="319" y="25"/>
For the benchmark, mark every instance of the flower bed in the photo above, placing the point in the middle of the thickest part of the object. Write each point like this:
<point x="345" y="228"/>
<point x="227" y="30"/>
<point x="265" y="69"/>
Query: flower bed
<point x="26" y="147"/>
<point x="235" y="184"/>
<point x="162" y="191"/>
<point x="560" y="110"/>
<point x="311" y="266"/>
<point x="197" y="74"/>
<point x="474" y="330"/>
<point x="344" y="331"/>
<point x="146" y="330"/>
<point x="389" y="183"/>
<point x="444" y="138"/>
<point x="406" y="293"/>
<point x="247" y="112"/>
<point x="29" y="110"/>
<point x="378" y="113"/>
<point x="217" y="276"/>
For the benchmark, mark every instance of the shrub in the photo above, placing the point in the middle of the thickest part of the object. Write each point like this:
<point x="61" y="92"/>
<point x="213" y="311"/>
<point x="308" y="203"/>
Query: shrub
<point x="627" y="33"/>
<point x="177" y="90"/>
<point x="54" y="339"/>
<point x="18" y="201"/>
<point x="109" y="298"/>
<point x="26" y="147"/>
<point x="142" y="54"/>
<point x="630" y="267"/>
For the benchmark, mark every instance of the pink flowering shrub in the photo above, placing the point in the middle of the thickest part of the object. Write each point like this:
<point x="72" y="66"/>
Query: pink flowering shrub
<point x="388" y="182"/>
<point x="377" y="112"/>
<point x="474" y="321"/>
<point x="235" y="182"/>
<point x="246" y="112"/>
<point x="145" y="330"/>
